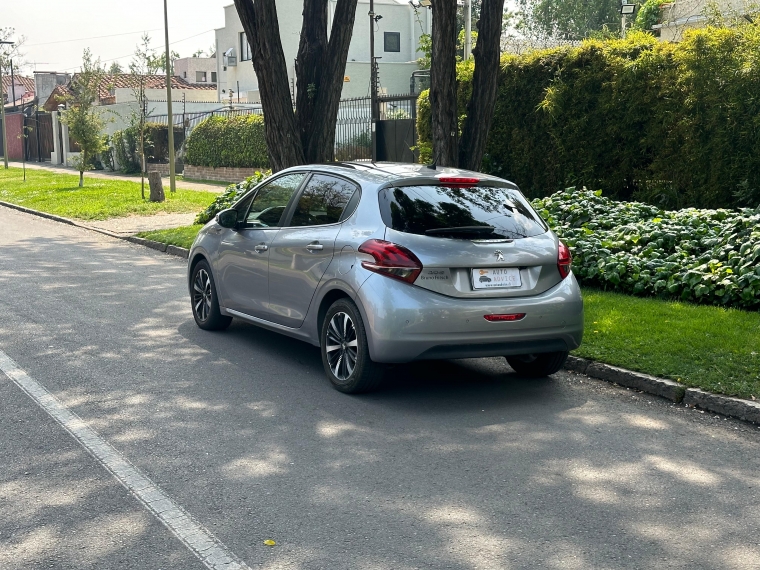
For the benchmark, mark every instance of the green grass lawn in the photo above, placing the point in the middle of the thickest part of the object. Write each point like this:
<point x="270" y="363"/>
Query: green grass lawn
<point x="711" y="348"/>
<point x="182" y="236"/>
<point x="99" y="199"/>
<point x="705" y="347"/>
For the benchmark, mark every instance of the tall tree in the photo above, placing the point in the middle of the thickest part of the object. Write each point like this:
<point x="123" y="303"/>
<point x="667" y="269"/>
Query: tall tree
<point x="568" y="19"/>
<point x="139" y="68"/>
<point x="306" y="134"/>
<point x="467" y="152"/>
<point x="84" y="121"/>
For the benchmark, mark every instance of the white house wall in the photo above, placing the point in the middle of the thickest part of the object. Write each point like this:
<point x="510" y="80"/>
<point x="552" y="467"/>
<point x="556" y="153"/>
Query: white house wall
<point x="395" y="67"/>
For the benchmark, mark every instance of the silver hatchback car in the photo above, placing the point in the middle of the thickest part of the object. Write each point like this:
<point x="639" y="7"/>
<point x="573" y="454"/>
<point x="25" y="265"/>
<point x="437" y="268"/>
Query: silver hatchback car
<point x="390" y="263"/>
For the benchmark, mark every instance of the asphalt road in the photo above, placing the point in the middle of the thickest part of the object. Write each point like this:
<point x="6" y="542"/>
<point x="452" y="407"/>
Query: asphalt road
<point x="456" y="464"/>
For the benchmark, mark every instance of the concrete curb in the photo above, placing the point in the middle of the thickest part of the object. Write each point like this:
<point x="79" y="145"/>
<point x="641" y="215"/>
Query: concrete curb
<point x="692" y="397"/>
<point x="157" y="245"/>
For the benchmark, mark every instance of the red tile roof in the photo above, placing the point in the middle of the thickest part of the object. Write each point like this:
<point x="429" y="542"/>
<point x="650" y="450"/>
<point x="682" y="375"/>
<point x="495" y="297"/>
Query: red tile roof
<point x="27" y="82"/>
<point x="122" y="81"/>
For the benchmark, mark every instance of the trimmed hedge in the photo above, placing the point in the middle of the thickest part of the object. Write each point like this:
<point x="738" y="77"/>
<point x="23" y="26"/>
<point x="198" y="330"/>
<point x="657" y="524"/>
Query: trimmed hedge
<point x="234" y="142"/>
<point x="674" y="125"/>
<point x="702" y="256"/>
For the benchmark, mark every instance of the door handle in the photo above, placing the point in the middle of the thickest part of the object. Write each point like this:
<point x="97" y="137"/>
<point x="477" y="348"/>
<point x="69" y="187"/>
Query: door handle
<point x="261" y="247"/>
<point x="315" y="247"/>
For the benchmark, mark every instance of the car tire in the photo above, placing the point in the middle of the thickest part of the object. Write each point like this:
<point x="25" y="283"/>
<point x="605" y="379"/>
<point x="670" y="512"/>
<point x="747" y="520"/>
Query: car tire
<point x="538" y="365"/>
<point x="345" y="354"/>
<point x="204" y="301"/>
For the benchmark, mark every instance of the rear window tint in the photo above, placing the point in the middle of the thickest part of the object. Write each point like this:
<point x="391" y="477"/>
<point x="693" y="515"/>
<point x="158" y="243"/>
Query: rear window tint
<point x="469" y="212"/>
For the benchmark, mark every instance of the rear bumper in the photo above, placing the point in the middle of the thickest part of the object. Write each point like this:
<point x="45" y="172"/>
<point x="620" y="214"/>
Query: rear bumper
<point x="406" y="323"/>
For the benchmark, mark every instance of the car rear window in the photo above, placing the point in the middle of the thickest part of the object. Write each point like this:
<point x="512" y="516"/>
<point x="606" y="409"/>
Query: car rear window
<point x="465" y="213"/>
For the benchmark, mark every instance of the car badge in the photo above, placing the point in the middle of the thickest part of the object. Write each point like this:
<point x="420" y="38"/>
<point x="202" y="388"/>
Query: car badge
<point x="499" y="255"/>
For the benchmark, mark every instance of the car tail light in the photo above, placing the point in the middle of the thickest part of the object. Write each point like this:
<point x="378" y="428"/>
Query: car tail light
<point x="457" y="181"/>
<point x="391" y="260"/>
<point x="564" y="260"/>
<point x="502" y="318"/>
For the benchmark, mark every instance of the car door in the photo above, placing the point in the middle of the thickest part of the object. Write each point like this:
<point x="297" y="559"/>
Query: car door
<point x="301" y="252"/>
<point x="243" y="261"/>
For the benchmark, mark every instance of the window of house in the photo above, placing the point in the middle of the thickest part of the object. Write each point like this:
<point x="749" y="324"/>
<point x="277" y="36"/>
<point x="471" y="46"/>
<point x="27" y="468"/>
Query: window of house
<point x="392" y="41"/>
<point x="184" y="74"/>
<point x="200" y="77"/>
<point x="213" y="77"/>
<point x="245" y="48"/>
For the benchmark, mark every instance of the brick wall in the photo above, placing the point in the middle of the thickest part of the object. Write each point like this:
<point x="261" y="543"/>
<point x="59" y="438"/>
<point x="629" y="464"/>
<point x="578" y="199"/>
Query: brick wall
<point x="14" y="130"/>
<point x="222" y="174"/>
<point x="162" y="168"/>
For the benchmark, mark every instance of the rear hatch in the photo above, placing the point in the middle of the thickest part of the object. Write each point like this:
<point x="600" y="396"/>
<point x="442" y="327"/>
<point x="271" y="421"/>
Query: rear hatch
<point x="473" y="242"/>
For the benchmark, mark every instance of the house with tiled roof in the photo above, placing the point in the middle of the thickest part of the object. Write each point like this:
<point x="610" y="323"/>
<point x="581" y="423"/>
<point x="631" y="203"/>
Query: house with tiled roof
<point x="119" y="88"/>
<point x="18" y="90"/>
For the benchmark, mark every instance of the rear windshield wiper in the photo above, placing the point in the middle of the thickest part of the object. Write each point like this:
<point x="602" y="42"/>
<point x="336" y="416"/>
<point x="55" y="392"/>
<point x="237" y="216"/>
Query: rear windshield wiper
<point x="461" y="230"/>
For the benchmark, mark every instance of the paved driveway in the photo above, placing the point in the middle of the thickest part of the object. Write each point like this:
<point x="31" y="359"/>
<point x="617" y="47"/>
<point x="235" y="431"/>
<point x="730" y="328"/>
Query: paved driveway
<point x="458" y="464"/>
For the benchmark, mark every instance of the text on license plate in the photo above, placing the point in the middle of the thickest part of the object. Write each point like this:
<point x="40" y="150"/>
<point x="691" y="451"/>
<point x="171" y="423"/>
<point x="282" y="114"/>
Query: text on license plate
<point x="495" y="277"/>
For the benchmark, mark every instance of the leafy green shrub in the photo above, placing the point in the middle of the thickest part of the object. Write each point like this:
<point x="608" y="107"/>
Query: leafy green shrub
<point x="230" y="195"/>
<point x="157" y="141"/>
<point x="675" y="125"/>
<point x="702" y="256"/>
<point x="649" y="14"/>
<point x="234" y="141"/>
<point x="126" y="150"/>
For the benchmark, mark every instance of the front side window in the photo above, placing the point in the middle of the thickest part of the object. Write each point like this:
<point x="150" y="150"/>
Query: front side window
<point x="200" y="77"/>
<point x="323" y="201"/>
<point x="464" y="213"/>
<point x="213" y="77"/>
<point x="392" y="41"/>
<point x="245" y="48"/>
<point x="271" y="200"/>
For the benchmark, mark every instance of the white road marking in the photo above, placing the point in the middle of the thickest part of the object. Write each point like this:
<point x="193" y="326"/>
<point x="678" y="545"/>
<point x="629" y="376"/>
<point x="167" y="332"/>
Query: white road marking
<point x="209" y="550"/>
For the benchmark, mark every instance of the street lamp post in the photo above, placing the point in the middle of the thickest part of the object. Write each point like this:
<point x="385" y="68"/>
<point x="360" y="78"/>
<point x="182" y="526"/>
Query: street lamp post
<point x="2" y="111"/>
<point x="626" y="10"/>
<point x="467" y="29"/>
<point x="372" y="81"/>
<point x="170" y="119"/>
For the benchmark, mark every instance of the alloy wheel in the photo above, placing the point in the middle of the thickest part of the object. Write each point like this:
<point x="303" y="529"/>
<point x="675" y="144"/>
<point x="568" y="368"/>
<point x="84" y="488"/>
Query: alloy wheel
<point x="202" y="294"/>
<point x="341" y="346"/>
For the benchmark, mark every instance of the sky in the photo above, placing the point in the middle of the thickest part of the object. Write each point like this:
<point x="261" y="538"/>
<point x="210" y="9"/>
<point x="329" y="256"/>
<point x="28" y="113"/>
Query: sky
<point x="57" y="31"/>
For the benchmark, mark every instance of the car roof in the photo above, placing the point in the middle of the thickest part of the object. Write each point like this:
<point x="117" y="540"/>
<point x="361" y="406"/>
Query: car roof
<point x="385" y="174"/>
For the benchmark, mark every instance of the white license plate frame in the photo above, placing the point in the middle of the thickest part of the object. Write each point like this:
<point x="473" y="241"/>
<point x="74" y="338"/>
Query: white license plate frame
<point x="496" y="278"/>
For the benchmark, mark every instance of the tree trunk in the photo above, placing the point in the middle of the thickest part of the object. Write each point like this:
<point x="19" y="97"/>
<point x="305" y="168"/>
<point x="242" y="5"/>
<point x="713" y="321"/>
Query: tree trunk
<point x="262" y="30"/>
<point x="81" y="178"/>
<point x="320" y="144"/>
<point x="311" y="56"/>
<point x="443" y="83"/>
<point x="485" y="84"/>
<point x="156" y="187"/>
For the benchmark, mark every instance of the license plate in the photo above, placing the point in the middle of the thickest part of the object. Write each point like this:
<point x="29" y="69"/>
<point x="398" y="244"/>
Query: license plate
<point x="496" y="278"/>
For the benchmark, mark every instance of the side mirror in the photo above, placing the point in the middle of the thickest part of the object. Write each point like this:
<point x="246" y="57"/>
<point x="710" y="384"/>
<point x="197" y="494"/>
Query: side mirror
<point x="227" y="218"/>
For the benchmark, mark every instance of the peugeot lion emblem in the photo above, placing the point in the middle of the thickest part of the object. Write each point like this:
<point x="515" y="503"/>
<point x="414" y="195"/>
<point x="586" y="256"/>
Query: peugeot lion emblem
<point x="499" y="255"/>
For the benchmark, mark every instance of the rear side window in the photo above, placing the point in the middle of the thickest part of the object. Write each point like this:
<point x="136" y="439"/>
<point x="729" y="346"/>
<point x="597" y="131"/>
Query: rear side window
<point x="465" y="213"/>
<point x="323" y="201"/>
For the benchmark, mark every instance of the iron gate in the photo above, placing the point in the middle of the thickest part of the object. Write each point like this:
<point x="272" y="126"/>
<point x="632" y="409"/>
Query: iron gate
<point x="38" y="142"/>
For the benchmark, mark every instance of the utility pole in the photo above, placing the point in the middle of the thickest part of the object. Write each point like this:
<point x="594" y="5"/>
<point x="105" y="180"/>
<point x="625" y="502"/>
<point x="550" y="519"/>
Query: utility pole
<point x="172" y="185"/>
<point x="467" y="29"/>
<point x="372" y="80"/>
<point x="2" y="111"/>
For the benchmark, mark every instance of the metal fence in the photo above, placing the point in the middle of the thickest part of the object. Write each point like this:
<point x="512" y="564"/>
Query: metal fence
<point x="353" y="129"/>
<point x="192" y="120"/>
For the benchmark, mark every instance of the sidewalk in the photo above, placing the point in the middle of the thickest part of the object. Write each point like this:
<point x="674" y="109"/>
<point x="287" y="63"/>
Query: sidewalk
<point x="132" y="225"/>
<point x="116" y="176"/>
